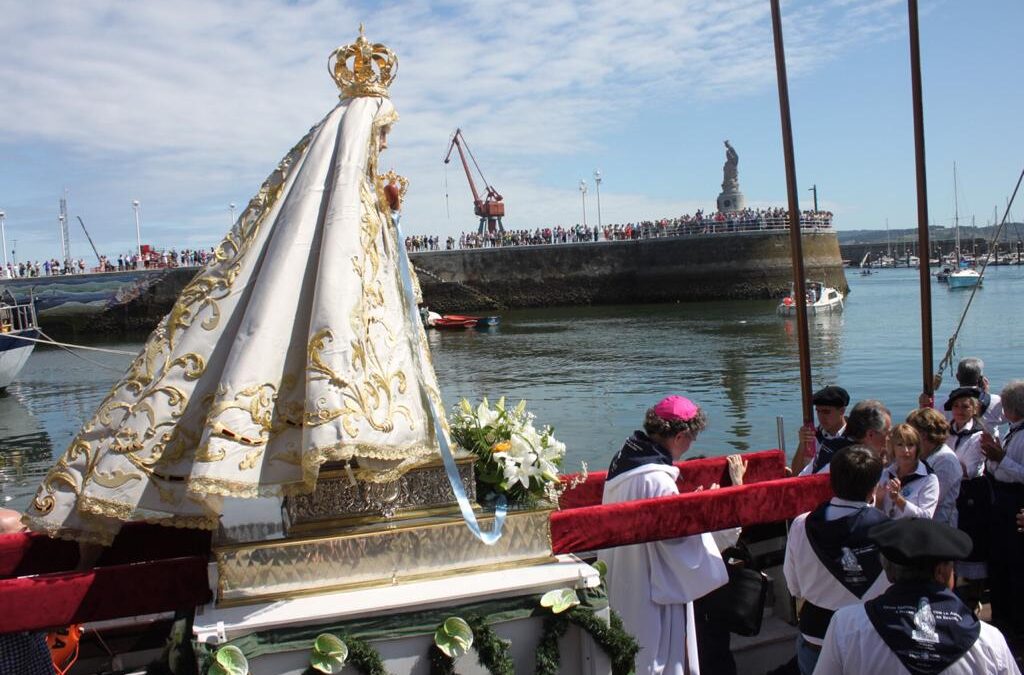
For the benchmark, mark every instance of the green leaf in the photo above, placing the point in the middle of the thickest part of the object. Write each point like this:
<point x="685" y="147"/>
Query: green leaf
<point x="329" y="654"/>
<point x="229" y="660"/>
<point x="601" y="567"/>
<point x="454" y="637"/>
<point x="560" y="600"/>
<point x="330" y="645"/>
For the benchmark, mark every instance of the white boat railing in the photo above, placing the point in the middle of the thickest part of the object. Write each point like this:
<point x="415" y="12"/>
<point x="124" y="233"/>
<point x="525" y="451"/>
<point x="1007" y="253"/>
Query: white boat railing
<point x="18" y="317"/>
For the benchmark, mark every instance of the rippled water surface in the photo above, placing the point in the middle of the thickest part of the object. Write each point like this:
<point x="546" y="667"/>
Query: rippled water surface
<point x="592" y="371"/>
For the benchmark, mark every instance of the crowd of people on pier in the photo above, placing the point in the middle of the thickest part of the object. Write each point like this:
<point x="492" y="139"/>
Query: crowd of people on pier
<point x="686" y="225"/>
<point x="926" y="523"/>
<point x="149" y="259"/>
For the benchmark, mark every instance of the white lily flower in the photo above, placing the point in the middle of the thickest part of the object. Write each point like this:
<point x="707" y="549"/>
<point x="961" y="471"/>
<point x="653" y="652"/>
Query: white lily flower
<point x="485" y="416"/>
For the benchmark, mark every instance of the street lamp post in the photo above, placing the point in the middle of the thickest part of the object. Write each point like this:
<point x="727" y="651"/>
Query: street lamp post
<point x="597" y="182"/>
<point x="583" y="196"/>
<point x="231" y="207"/>
<point x="138" y="234"/>
<point x="3" y="235"/>
<point x="814" y="189"/>
<point x="63" y="242"/>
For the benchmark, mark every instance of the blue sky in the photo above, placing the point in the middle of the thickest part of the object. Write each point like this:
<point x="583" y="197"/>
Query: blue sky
<point x="186" y="106"/>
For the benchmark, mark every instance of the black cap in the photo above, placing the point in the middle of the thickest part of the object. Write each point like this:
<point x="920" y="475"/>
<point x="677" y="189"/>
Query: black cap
<point x="831" y="395"/>
<point x="909" y="541"/>
<point x="961" y="392"/>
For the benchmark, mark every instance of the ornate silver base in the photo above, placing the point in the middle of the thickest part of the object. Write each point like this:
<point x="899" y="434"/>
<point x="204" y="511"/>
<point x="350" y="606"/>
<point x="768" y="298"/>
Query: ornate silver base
<point x="340" y="501"/>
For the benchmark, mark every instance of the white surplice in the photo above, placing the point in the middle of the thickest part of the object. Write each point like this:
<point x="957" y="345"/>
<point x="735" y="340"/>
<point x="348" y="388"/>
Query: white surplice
<point x="652" y="586"/>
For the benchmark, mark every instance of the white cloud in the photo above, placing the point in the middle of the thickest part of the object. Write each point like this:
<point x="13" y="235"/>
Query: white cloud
<point x="185" y="102"/>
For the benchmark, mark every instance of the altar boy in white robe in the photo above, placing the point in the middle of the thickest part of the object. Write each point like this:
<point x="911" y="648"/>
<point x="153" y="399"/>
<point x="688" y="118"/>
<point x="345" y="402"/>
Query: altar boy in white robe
<point x="652" y="586"/>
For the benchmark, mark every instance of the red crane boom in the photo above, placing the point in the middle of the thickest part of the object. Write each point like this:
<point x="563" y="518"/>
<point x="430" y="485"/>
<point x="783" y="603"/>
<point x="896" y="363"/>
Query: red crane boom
<point x="490" y="209"/>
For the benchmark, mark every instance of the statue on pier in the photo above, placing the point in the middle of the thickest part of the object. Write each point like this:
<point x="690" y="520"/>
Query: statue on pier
<point x="731" y="199"/>
<point x="731" y="176"/>
<point x="294" y="347"/>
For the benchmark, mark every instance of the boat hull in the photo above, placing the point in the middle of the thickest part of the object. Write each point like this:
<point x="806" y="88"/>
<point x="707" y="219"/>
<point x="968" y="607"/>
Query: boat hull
<point x="14" y="354"/>
<point x="824" y="308"/>
<point x="964" y="281"/>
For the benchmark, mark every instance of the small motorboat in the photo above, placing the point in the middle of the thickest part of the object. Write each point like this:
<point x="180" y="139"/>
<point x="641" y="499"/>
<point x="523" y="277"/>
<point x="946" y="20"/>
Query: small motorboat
<point x="964" y="278"/>
<point x="943" y="274"/>
<point x="435" y="320"/>
<point x="19" y="329"/>
<point x="821" y="299"/>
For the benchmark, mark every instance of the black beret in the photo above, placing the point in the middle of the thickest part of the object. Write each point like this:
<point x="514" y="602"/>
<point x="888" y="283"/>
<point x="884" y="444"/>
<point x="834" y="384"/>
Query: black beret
<point x="907" y="541"/>
<point x="831" y="395"/>
<point x="961" y="392"/>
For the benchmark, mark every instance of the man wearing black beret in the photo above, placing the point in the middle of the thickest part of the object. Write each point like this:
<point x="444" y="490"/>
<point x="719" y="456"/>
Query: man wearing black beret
<point x="918" y="625"/>
<point x="830" y="407"/>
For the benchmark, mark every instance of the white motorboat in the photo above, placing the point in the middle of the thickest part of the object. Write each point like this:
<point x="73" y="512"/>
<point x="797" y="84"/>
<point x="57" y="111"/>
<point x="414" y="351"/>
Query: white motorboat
<point x="18" y="331"/>
<point x="821" y="299"/>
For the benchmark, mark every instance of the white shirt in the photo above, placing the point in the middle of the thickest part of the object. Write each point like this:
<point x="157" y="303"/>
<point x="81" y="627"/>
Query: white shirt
<point x="652" y="586"/>
<point x="993" y="416"/>
<point x="948" y="470"/>
<point x="968" y="450"/>
<point x="1011" y="468"/>
<point x="922" y="494"/>
<point x="808" y="578"/>
<point x="853" y="647"/>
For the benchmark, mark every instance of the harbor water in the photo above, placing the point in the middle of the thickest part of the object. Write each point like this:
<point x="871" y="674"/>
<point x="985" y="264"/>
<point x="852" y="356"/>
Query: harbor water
<point x="591" y="372"/>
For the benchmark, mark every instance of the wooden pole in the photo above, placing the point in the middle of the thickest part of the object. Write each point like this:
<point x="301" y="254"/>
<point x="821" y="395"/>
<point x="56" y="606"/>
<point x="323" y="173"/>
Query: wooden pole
<point x="924" y="272"/>
<point x="795" y="242"/>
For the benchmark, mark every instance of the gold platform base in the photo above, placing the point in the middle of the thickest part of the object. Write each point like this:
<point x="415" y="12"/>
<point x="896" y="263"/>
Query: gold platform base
<point x="376" y="554"/>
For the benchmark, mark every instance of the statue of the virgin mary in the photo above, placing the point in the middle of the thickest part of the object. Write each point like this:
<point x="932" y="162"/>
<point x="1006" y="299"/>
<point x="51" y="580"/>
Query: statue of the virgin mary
<point x="295" y="346"/>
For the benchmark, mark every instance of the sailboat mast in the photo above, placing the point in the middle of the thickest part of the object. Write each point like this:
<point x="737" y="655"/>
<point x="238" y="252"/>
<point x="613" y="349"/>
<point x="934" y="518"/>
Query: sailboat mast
<point x="923" y="245"/>
<point x="956" y="215"/>
<point x="796" y="245"/>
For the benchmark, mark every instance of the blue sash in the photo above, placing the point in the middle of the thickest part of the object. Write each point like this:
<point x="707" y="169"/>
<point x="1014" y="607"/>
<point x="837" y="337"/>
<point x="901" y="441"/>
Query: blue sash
<point x="924" y="624"/>
<point x="827" y="449"/>
<point x="638" y="450"/>
<point x="843" y="548"/>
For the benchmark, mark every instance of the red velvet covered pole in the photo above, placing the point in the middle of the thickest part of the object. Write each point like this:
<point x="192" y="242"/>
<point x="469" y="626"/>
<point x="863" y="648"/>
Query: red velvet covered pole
<point x="608" y="525"/>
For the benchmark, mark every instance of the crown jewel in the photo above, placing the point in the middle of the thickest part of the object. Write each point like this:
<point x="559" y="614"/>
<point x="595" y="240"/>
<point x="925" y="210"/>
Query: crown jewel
<point x="361" y="79"/>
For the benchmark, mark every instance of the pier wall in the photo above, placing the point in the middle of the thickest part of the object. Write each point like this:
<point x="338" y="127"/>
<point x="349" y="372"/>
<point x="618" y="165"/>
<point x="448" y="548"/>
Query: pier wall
<point x="703" y="267"/>
<point x="670" y="269"/>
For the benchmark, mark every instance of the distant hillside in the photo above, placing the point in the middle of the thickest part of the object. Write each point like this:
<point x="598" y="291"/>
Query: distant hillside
<point x="1012" y="232"/>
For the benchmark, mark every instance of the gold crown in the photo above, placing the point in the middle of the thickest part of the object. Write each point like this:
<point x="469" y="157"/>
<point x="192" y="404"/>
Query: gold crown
<point x="361" y="79"/>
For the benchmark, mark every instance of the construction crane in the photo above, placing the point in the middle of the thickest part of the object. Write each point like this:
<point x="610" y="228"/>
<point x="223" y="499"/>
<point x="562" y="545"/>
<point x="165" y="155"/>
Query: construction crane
<point x="490" y="209"/>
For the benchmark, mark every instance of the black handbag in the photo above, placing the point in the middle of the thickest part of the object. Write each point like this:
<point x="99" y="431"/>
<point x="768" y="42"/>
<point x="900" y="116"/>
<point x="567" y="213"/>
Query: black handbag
<point x="739" y="604"/>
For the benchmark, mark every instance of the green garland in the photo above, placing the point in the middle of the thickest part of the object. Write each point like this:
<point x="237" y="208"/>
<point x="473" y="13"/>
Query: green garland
<point x="361" y="656"/>
<point x="440" y="663"/>
<point x="613" y="640"/>
<point x="619" y="645"/>
<point x="549" y="660"/>
<point x="492" y="651"/>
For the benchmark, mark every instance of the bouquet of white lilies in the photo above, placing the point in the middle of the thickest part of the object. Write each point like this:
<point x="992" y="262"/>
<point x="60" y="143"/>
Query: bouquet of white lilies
<point x="515" y="458"/>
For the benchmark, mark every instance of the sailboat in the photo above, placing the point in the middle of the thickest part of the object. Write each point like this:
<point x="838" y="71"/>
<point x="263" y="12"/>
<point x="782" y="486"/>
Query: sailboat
<point x="961" y="277"/>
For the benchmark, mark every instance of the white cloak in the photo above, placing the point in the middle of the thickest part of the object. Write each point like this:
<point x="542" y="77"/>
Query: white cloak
<point x="652" y="586"/>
